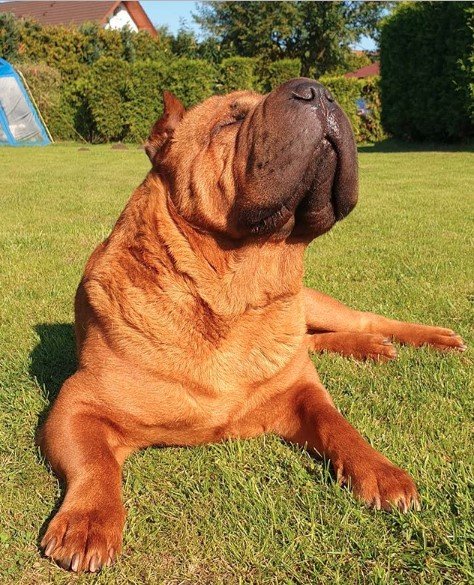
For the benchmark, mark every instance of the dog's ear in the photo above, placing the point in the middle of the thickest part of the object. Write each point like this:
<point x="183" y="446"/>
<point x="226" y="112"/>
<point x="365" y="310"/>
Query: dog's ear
<point x="163" y="129"/>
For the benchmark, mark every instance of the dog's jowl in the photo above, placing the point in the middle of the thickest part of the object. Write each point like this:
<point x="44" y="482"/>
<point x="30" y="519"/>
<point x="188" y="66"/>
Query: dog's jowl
<point x="192" y="322"/>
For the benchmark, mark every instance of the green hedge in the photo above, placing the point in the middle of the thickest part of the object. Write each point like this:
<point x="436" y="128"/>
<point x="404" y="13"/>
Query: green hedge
<point x="106" y="85"/>
<point x="238" y="73"/>
<point x="144" y="91"/>
<point x="427" y="70"/>
<point x="119" y="101"/>
<point x="274" y="74"/>
<point x="46" y="87"/>
<point x="105" y="90"/>
<point x="192" y="80"/>
<point x="72" y="49"/>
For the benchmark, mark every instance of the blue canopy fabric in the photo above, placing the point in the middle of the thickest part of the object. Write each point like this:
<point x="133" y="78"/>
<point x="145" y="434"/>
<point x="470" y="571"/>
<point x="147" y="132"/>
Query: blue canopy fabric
<point x="20" y="124"/>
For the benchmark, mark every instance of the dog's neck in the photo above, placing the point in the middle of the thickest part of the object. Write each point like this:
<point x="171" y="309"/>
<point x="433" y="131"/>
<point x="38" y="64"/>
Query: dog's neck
<point x="206" y="266"/>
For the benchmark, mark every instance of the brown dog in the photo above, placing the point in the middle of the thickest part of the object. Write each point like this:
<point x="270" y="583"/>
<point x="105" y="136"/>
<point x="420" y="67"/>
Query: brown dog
<point x="192" y="321"/>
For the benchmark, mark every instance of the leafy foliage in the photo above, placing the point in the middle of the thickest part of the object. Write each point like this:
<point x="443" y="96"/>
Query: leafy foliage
<point x="144" y="104"/>
<point x="72" y="50"/>
<point x="276" y="73"/>
<point x="318" y="33"/>
<point x="192" y="80"/>
<point x="106" y="85"/>
<point x="45" y="84"/>
<point x="427" y="70"/>
<point x="120" y="101"/>
<point x="238" y="73"/>
<point x="9" y="37"/>
<point x="106" y="94"/>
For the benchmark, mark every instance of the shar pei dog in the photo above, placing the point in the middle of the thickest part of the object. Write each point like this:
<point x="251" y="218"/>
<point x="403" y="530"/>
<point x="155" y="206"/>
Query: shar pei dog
<point x="192" y="321"/>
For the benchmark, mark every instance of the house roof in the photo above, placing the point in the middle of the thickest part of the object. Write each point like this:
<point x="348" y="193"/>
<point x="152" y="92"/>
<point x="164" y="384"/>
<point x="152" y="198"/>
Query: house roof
<point x="367" y="71"/>
<point x="76" y="13"/>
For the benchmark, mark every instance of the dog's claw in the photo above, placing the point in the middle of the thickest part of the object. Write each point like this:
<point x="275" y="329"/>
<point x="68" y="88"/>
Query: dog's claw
<point x="111" y="558"/>
<point x="94" y="564"/>
<point x="75" y="562"/>
<point x="50" y="547"/>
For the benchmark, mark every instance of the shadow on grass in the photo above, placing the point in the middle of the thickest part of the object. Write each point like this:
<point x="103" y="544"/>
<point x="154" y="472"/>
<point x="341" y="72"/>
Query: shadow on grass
<point x="52" y="361"/>
<point x="391" y="145"/>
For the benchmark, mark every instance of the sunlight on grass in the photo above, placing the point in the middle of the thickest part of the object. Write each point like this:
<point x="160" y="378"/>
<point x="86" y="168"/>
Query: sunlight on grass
<point x="253" y="511"/>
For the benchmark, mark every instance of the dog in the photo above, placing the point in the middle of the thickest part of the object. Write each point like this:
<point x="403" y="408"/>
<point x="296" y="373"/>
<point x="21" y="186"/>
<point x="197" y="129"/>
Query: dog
<point x="192" y="322"/>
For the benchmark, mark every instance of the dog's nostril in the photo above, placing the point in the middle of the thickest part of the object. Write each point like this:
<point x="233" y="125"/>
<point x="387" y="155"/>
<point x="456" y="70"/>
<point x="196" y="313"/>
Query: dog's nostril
<point x="310" y="92"/>
<point x="304" y="92"/>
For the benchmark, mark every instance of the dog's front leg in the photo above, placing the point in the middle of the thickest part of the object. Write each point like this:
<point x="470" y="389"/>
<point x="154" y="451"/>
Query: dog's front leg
<point x="305" y="415"/>
<point x="85" y="449"/>
<point x="364" y="334"/>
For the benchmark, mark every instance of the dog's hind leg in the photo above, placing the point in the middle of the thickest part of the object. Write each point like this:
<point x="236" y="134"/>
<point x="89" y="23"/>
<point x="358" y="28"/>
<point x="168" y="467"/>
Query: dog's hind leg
<point x="353" y="344"/>
<point x="87" y="450"/>
<point x="325" y="314"/>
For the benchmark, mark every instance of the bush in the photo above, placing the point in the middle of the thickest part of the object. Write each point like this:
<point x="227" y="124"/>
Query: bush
<point x="9" y="37"/>
<point x="148" y="48"/>
<point x="427" y="67"/>
<point x="117" y="100"/>
<point x="107" y="85"/>
<point x="71" y="49"/>
<point x="144" y="95"/>
<point x="104" y="89"/>
<point x="370" y="128"/>
<point x="274" y="74"/>
<point x="238" y="73"/>
<point x="191" y="80"/>
<point x="45" y="85"/>
<point x="58" y="47"/>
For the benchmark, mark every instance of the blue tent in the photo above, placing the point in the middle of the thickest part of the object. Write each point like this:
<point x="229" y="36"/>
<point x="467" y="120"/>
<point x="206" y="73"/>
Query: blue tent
<point x="20" y="121"/>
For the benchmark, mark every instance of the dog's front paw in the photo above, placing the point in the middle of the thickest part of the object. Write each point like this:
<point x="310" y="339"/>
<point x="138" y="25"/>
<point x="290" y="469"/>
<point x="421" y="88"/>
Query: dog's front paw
<point x="84" y="540"/>
<point x="380" y="484"/>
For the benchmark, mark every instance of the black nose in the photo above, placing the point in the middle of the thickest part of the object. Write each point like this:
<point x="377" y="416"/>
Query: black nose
<point x="311" y="91"/>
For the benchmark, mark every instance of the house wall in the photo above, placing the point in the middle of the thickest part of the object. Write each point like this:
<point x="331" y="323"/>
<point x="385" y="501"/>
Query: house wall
<point x="120" y="19"/>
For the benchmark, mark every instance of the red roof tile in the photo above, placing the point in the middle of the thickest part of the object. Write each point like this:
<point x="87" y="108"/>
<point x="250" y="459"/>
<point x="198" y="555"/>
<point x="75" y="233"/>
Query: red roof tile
<point x="75" y="13"/>
<point x="367" y="71"/>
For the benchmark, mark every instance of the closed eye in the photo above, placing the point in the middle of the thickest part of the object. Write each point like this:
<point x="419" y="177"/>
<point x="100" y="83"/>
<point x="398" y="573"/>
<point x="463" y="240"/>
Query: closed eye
<point x="237" y="119"/>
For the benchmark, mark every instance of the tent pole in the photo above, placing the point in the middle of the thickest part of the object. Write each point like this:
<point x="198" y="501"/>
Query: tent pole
<point x="35" y="104"/>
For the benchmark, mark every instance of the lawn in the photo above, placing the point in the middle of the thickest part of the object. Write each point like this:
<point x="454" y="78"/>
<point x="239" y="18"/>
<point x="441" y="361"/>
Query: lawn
<point x="254" y="511"/>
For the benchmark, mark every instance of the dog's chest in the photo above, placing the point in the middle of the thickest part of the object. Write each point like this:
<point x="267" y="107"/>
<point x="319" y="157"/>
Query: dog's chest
<point x="181" y="339"/>
<point x="225" y="353"/>
<point x="256" y="347"/>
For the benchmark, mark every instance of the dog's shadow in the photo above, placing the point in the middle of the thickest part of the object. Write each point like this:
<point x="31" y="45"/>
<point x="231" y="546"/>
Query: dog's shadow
<point x="52" y="361"/>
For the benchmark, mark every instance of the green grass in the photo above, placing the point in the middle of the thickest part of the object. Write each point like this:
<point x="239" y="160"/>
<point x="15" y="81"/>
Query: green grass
<point x="253" y="511"/>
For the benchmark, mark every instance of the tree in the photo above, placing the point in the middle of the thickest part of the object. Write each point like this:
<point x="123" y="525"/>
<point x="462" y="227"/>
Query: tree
<point x="320" y="34"/>
<point x="9" y="36"/>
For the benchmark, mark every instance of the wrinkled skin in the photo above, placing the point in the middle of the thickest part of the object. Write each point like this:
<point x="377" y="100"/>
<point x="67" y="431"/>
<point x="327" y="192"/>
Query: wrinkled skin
<point x="304" y="161"/>
<point x="192" y="322"/>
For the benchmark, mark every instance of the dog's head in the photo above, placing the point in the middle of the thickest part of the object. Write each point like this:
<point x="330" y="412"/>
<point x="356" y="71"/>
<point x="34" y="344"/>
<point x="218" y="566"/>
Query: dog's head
<point x="246" y="165"/>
